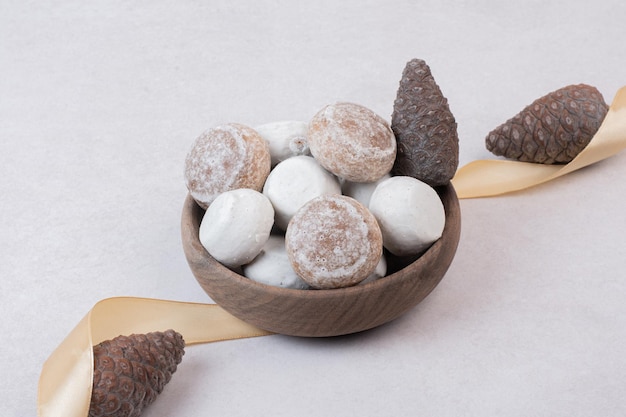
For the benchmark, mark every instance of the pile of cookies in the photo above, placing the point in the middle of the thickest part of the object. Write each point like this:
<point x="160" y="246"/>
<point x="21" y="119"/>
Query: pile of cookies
<point x="320" y="204"/>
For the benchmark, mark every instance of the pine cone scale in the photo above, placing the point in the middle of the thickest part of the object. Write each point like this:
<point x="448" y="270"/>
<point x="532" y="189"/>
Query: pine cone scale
<point x="111" y="404"/>
<point x="123" y="367"/>
<point x="126" y="388"/>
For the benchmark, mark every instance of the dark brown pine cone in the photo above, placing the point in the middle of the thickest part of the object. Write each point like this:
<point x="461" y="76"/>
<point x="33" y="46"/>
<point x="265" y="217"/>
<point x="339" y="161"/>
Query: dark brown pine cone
<point x="553" y="129"/>
<point x="130" y="371"/>
<point x="425" y="129"/>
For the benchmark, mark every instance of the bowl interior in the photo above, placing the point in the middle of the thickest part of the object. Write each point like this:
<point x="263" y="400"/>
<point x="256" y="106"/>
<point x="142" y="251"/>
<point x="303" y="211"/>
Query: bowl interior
<point x="320" y="313"/>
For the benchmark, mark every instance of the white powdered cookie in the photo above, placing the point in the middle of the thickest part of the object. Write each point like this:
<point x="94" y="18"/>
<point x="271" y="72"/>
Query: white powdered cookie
<point x="410" y="214"/>
<point x="294" y="182"/>
<point x="236" y="226"/>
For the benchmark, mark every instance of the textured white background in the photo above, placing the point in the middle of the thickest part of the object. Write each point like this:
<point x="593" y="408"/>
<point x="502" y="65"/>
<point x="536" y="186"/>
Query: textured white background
<point x="99" y="104"/>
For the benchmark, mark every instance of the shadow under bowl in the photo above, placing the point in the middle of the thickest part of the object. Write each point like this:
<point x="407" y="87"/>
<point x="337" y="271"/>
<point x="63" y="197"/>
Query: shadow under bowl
<point x="322" y="313"/>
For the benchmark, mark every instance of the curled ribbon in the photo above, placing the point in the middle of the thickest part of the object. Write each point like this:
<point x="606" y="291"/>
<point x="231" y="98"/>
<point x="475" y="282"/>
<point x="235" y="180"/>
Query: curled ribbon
<point x="67" y="376"/>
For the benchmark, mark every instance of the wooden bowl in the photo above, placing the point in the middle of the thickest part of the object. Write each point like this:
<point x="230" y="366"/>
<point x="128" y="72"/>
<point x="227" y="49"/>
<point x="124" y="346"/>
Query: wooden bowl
<point x="318" y="313"/>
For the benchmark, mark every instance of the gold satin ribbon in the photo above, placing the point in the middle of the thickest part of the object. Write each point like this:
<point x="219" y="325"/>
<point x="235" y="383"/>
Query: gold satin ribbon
<point x="486" y="178"/>
<point x="67" y="375"/>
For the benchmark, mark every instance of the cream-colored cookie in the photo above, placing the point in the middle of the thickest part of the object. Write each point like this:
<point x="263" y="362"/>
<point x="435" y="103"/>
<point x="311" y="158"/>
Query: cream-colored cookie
<point x="224" y="158"/>
<point x="361" y="191"/>
<point x="272" y="266"/>
<point x="352" y="142"/>
<point x="379" y="272"/>
<point x="410" y="214"/>
<point x="294" y="182"/>
<point x="236" y="226"/>
<point x="285" y="139"/>
<point x="333" y="242"/>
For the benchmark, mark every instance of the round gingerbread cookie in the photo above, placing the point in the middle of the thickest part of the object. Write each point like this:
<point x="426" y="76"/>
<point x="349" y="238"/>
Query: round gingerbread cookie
<point x="225" y="158"/>
<point x="352" y="142"/>
<point x="333" y="241"/>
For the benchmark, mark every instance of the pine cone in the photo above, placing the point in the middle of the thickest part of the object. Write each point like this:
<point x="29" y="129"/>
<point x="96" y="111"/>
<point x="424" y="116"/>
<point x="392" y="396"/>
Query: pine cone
<point x="553" y="129"/>
<point x="428" y="142"/>
<point x="130" y="371"/>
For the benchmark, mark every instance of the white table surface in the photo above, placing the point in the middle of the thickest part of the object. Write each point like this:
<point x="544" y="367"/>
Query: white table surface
<point x="99" y="104"/>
